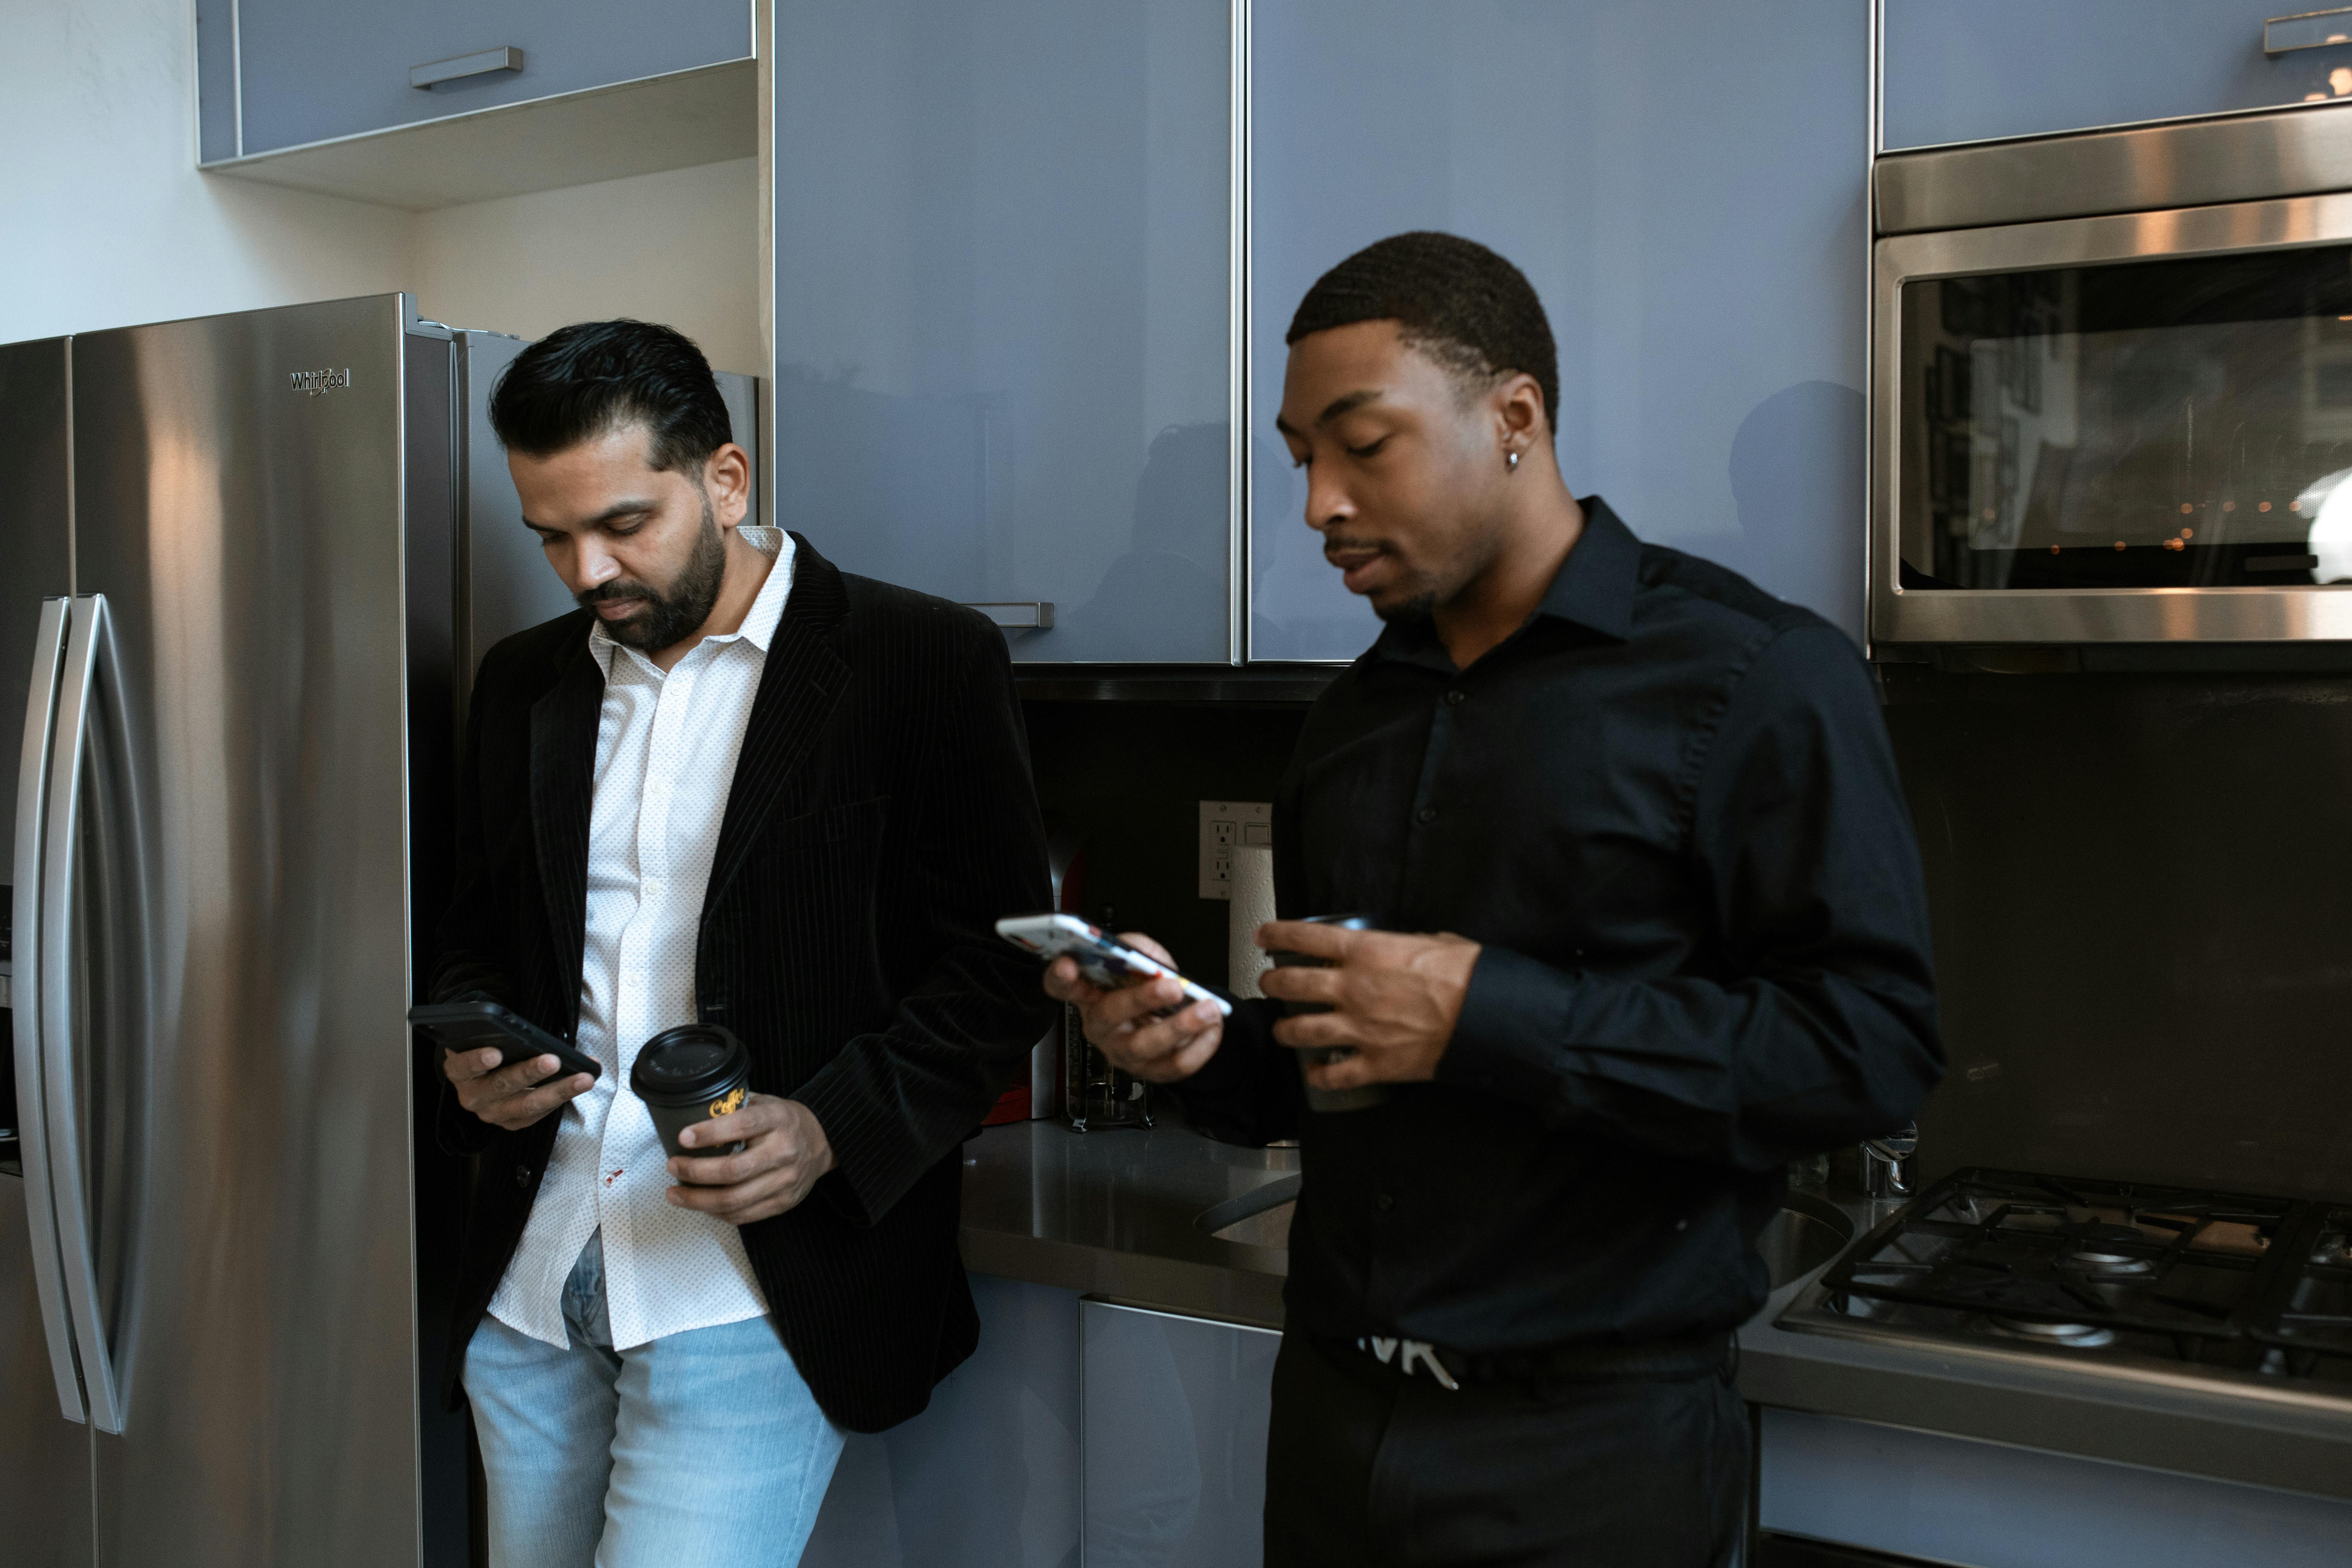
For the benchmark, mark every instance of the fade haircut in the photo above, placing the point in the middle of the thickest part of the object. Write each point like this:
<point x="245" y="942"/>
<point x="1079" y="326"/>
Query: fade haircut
<point x="584" y="381"/>
<point x="1452" y="299"/>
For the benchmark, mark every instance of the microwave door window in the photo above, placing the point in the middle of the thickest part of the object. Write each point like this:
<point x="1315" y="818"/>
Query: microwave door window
<point x="2176" y="423"/>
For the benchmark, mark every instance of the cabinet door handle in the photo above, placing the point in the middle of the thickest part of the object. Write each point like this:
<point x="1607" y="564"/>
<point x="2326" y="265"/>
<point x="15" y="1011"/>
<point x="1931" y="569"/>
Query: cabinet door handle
<point x="2307" y="30"/>
<point x="481" y="62"/>
<point x="1028" y="616"/>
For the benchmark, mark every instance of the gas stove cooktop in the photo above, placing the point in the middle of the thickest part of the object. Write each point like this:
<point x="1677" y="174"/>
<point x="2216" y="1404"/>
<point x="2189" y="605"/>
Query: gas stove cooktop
<point x="2225" y="1284"/>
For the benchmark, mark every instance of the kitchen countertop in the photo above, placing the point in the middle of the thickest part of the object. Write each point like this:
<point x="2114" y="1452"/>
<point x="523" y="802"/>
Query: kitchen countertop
<point x="1112" y="1213"/>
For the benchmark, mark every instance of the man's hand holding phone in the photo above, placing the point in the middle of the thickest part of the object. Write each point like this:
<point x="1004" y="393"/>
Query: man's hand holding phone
<point x="1119" y="1020"/>
<point x="504" y="1096"/>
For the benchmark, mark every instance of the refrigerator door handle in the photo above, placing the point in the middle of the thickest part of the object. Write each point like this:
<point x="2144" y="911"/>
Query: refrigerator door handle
<point x="89" y="646"/>
<point x="32" y="1117"/>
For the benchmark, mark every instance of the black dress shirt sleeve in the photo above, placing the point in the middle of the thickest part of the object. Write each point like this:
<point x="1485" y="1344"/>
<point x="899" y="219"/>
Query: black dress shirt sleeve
<point x="1814" y="1026"/>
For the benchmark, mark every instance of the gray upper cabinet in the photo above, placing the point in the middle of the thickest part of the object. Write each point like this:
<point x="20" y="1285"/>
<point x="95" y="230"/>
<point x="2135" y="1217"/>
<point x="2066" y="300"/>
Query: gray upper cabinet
<point x="1685" y="189"/>
<point x="1987" y="69"/>
<point x="302" y="71"/>
<point x="1004" y="311"/>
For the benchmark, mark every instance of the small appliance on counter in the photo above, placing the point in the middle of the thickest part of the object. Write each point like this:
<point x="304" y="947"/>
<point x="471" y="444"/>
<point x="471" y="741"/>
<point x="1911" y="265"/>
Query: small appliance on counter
<point x="1096" y="1096"/>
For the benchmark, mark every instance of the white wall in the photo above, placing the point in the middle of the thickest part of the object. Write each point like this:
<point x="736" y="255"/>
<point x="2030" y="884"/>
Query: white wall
<point x="679" y="246"/>
<point x="105" y="222"/>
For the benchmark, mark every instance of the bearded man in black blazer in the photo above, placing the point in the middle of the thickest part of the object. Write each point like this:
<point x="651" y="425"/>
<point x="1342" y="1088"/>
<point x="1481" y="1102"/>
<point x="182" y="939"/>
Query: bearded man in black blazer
<point x="738" y="786"/>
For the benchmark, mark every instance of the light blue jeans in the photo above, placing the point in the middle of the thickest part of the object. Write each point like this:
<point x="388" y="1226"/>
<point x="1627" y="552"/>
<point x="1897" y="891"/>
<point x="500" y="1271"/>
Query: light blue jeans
<point x="703" y="1449"/>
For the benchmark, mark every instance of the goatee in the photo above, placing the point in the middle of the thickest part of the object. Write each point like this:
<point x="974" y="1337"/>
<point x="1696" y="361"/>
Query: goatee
<point x="1420" y="607"/>
<point x="674" y="615"/>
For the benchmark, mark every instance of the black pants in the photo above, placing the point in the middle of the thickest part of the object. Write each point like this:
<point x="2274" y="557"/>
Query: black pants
<point x="1368" y="1468"/>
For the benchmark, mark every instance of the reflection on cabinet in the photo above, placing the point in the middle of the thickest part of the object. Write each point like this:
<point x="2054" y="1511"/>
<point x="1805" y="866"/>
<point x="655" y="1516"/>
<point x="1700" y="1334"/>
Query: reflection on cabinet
<point x="987" y="1477"/>
<point x="1686" y="199"/>
<point x="1173" y="1434"/>
<point x="1001" y="310"/>
<point x="2028" y="68"/>
<point x="1002" y="286"/>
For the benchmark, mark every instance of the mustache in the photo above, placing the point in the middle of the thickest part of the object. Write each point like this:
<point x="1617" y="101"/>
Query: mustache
<point x="618" y="589"/>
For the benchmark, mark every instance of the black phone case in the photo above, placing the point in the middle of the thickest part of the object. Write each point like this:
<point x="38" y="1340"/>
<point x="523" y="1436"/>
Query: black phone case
<point x="471" y="1026"/>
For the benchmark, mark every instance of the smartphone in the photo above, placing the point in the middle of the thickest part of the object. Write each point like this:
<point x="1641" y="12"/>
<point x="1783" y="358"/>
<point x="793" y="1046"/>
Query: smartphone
<point x="471" y="1026"/>
<point x="1102" y="958"/>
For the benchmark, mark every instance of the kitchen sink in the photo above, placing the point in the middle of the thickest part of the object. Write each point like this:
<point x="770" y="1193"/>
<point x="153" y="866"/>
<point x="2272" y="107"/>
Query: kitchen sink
<point x="1807" y="1233"/>
<point x="1259" y="1217"/>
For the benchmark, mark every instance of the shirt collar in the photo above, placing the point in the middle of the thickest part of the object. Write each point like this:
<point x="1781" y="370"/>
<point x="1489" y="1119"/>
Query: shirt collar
<point x="1593" y="589"/>
<point x="1594" y="586"/>
<point x="760" y="623"/>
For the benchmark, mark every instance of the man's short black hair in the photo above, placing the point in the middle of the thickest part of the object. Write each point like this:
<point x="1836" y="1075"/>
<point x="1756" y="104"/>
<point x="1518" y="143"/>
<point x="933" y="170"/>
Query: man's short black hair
<point x="582" y="381"/>
<point x="1451" y="298"/>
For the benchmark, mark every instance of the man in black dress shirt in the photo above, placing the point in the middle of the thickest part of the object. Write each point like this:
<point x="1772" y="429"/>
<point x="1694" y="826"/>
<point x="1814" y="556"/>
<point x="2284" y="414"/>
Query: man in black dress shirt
<point x="1650" y="814"/>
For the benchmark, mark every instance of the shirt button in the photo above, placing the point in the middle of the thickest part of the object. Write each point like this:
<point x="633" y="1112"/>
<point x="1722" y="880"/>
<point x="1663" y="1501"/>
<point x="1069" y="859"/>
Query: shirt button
<point x="1453" y="698"/>
<point x="1426" y="814"/>
<point x="1386" y="1201"/>
<point x="522" y="1175"/>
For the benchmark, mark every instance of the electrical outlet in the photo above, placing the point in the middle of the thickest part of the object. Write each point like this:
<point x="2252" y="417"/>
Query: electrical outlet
<point x="1226" y="826"/>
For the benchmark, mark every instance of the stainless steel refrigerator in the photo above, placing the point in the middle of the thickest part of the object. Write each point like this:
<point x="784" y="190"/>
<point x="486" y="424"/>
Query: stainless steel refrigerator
<point x="248" y="562"/>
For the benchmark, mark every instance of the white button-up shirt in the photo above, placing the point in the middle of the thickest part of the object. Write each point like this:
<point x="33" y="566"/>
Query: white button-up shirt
<point x="665" y="750"/>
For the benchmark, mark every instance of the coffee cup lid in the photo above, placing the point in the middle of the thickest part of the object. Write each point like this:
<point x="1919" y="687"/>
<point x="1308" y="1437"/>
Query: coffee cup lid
<point x="690" y="1062"/>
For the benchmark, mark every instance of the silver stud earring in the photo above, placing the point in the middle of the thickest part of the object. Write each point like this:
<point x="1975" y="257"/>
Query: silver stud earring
<point x="1511" y="461"/>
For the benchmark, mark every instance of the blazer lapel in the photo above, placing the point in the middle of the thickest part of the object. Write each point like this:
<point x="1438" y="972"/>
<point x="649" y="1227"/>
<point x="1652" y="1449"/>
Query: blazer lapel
<point x="563" y="764"/>
<point x="803" y="679"/>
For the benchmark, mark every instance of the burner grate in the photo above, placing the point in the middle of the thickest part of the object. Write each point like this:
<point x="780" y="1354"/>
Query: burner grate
<point x="2083" y="1265"/>
<point x="2309" y="1316"/>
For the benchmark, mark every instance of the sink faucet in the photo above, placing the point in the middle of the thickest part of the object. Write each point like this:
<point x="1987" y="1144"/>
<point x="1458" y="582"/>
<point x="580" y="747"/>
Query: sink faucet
<point x="1886" y="1163"/>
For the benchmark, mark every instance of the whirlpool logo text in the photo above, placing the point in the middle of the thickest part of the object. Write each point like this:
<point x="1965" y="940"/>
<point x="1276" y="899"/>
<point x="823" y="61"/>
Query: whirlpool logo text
<point x="318" y="382"/>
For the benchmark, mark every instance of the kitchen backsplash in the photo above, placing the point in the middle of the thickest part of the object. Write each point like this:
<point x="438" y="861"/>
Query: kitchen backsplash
<point x="1129" y="777"/>
<point x="2140" y="887"/>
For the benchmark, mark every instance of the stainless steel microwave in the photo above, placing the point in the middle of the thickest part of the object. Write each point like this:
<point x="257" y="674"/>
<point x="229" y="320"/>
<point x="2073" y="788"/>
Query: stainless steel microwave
<point x="2111" y="387"/>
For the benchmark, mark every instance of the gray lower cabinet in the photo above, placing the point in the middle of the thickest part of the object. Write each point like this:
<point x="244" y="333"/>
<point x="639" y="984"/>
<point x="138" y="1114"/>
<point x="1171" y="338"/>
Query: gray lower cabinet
<point x="1173" y="1435"/>
<point x="1077" y="1432"/>
<point x="1003" y="310"/>
<point x="988" y="1476"/>
<point x="308" y="70"/>
<point x="2029" y="68"/>
<point x="1684" y="186"/>
<point x="1928" y="1497"/>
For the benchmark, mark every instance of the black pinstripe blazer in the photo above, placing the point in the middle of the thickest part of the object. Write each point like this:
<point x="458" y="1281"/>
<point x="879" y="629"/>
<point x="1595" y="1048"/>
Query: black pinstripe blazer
<point x="881" y="819"/>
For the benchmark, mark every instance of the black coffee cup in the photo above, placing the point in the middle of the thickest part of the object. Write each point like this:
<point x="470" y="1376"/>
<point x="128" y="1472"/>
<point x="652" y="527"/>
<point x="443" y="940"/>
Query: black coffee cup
<point x="689" y="1075"/>
<point x="1363" y="1096"/>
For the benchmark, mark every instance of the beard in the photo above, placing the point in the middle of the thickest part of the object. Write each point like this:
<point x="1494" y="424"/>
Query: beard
<point x="676" y="613"/>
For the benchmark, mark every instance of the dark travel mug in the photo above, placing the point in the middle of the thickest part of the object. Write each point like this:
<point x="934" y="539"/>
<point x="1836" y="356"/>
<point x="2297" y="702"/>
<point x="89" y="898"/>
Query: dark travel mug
<point x="1362" y="1097"/>
<point x="690" y="1074"/>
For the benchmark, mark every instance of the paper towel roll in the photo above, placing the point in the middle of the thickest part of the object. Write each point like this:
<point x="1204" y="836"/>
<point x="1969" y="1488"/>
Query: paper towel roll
<point x="1252" y="907"/>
